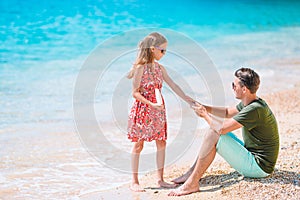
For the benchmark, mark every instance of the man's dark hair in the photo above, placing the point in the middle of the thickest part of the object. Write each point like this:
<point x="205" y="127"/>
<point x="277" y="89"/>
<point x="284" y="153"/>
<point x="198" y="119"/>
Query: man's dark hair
<point x="248" y="78"/>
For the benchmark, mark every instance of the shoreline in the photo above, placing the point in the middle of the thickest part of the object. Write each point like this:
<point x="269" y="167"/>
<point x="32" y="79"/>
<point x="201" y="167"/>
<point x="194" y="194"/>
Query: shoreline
<point x="221" y="181"/>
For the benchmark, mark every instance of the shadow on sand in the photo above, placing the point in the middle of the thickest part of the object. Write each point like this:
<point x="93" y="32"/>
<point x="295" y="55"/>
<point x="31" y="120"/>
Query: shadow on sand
<point x="217" y="182"/>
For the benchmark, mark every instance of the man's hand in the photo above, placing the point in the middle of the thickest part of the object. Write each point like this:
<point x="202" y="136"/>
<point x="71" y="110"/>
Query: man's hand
<point x="200" y="110"/>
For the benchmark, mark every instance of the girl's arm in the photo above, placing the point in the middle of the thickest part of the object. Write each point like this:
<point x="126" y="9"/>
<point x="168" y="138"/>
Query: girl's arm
<point x="175" y="87"/>
<point x="137" y="77"/>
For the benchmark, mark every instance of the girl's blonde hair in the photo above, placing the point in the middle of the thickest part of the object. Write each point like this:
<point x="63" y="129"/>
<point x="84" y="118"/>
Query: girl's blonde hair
<point x="144" y="52"/>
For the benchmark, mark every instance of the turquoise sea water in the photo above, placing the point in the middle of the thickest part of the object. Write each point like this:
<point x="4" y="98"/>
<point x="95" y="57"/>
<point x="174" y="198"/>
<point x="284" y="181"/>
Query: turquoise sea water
<point x="44" y="44"/>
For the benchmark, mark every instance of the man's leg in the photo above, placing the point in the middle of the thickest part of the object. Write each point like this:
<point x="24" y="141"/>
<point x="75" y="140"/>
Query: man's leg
<point x="206" y="156"/>
<point x="233" y="151"/>
<point x="209" y="141"/>
<point x="186" y="175"/>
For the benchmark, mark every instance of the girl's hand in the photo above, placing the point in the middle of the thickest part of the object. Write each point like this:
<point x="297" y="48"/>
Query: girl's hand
<point x="157" y="106"/>
<point x="190" y="100"/>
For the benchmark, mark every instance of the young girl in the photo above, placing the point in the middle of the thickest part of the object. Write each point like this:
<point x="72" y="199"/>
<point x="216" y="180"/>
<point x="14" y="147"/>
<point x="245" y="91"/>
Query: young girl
<point x="147" y="118"/>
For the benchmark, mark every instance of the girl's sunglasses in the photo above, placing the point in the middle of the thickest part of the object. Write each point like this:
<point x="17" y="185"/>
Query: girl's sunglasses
<point x="162" y="50"/>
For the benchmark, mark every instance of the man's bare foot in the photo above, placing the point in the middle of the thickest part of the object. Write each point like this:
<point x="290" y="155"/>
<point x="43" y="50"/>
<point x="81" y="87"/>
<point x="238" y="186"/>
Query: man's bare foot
<point x="164" y="184"/>
<point x="183" y="178"/>
<point x="184" y="190"/>
<point x="135" y="187"/>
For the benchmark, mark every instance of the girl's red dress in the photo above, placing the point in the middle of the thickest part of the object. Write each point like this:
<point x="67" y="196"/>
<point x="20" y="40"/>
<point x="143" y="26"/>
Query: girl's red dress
<point x="146" y="123"/>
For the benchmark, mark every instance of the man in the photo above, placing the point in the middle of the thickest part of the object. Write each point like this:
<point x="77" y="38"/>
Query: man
<point x="257" y="155"/>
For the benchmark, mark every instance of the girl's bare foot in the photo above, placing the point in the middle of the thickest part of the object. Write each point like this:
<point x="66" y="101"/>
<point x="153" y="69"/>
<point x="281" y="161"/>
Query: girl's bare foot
<point x="185" y="189"/>
<point x="135" y="187"/>
<point x="183" y="178"/>
<point x="164" y="184"/>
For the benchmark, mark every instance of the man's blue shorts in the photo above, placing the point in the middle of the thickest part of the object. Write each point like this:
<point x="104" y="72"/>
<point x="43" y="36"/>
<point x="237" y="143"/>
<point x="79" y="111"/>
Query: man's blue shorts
<point x="233" y="151"/>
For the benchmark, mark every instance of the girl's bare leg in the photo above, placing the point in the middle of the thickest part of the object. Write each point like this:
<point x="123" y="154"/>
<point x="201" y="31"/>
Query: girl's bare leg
<point x="160" y="159"/>
<point x="135" y="157"/>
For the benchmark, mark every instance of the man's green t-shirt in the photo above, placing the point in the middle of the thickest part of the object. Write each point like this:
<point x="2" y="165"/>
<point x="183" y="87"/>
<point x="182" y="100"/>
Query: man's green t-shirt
<point x="260" y="132"/>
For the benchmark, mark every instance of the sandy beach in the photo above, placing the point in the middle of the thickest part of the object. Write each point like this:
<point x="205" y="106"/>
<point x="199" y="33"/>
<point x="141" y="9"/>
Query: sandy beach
<point x="223" y="182"/>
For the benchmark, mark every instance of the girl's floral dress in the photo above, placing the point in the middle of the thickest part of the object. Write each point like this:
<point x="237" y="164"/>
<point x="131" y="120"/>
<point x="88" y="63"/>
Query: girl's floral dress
<point x="146" y="123"/>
